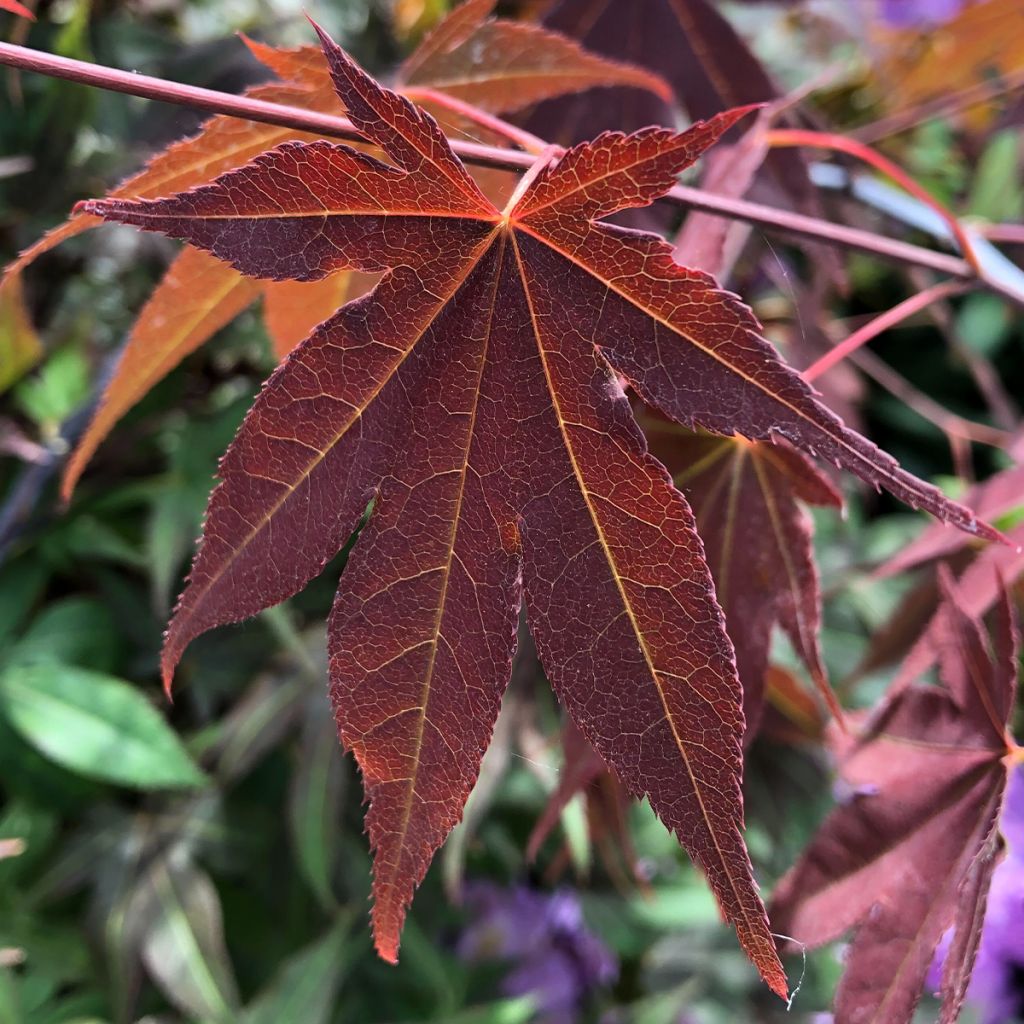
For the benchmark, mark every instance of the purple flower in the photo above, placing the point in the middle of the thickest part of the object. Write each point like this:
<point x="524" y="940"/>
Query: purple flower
<point x="997" y="984"/>
<point x="919" y="13"/>
<point x="551" y="954"/>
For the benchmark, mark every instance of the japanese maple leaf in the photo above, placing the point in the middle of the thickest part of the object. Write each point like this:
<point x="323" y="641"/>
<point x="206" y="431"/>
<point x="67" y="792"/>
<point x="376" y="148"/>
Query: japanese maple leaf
<point x="493" y="64"/>
<point x="471" y="396"/>
<point x="909" y="854"/>
<point x="757" y="541"/>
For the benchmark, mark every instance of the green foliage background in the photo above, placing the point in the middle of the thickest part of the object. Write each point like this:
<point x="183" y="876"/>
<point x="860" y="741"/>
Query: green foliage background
<point x="204" y="861"/>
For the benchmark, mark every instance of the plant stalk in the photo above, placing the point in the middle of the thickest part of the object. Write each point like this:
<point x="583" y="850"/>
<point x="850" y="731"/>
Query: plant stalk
<point x="332" y="126"/>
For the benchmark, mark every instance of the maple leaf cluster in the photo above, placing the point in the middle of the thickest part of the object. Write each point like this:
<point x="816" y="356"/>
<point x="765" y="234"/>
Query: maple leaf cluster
<point x="545" y="412"/>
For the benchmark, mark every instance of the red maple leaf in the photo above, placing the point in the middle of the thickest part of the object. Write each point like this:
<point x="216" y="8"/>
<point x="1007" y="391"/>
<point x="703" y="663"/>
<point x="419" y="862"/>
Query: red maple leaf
<point x="473" y="397"/>
<point x="910" y="852"/>
<point x="757" y="541"/>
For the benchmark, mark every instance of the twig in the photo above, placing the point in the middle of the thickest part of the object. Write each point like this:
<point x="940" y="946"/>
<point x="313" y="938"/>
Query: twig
<point x="883" y="322"/>
<point x="1001" y="405"/>
<point x="1009" y="234"/>
<point x="842" y="144"/>
<point x="486" y="156"/>
<point x="525" y="140"/>
<point x="952" y="425"/>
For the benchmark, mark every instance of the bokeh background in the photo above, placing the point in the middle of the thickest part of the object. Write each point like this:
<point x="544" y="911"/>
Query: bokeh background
<point x="205" y="861"/>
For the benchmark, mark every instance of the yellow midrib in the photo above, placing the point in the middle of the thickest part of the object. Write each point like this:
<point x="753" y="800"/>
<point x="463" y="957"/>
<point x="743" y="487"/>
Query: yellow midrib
<point x="638" y="632"/>
<point x="290" y="490"/>
<point x="676" y="329"/>
<point x="410" y="783"/>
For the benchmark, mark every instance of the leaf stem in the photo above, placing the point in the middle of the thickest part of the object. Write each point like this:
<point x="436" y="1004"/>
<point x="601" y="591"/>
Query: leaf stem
<point x="251" y="109"/>
<point x="779" y="137"/>
<point x="890" y="318"/>
<point x="518" y="136"/>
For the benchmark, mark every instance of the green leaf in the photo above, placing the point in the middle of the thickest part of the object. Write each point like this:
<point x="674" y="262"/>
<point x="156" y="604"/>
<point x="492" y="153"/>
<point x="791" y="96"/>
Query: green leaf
<point x="21" y="584"/>
<point x="306" y="986"/>
<point x="521" y="1010"/>
<point x="314" y="806"/>
<point x="183" y="948"/>
<point x="60" y="386"/>
<point x="996" y="189"/>
<point x="984" y="322"/>
<point x="76" y="630"/>
<point x="95" y="725"/>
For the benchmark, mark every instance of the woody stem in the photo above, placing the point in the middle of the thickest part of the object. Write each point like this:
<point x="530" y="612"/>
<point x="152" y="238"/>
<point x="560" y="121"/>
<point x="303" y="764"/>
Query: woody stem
<point x="252" y="109"/>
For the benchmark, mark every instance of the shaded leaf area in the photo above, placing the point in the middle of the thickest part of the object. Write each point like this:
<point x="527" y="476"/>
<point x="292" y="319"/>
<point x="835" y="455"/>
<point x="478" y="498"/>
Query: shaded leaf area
<point x="198" y="297"/>
<point x="487" y="423"/>
<point x="914" y="626"/>
<point x="503" y="66"/>
<point x="757" y="540"/>
<point x="905" y="856"/>
<point x="978" y="589"/>
<point x="695" y="47"/>
<point x="606" y="807"/>
<point x="20" y="346"/>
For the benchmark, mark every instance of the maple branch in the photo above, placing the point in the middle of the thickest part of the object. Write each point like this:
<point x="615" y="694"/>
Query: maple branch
<point x="252" y="109"/>
<point x="518" y="136"/>
<point x="890" y="318"/>
<point x="840" y="143"/>
<point x="1011" y="234"/>
<point x="952" y="425"/>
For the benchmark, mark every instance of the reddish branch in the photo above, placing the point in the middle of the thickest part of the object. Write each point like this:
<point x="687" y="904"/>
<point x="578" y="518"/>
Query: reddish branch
<point x="842" y="144"/>
<point x="473" y="153"/>
<point x="890" y="318"/>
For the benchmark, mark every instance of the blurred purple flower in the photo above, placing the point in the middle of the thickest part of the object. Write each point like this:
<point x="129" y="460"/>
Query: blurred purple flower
<point x="997" y="985"/>
<point x="552" y="955"/>
<point x="919" y="13"/>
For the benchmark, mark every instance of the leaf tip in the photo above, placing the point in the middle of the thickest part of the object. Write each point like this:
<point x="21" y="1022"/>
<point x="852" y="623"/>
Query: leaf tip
<point x="775" y="979"/>
<point x="386" y="944"/>
<point x="168" y="663"/>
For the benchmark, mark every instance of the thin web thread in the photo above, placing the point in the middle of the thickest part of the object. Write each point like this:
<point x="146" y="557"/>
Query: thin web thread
<point x="803" y="970"/>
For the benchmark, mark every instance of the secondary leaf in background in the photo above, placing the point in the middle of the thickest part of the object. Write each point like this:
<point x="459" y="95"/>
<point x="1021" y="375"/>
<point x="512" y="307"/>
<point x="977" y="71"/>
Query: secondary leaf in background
<point x="96" y="725"/>
<point x="977" y="589"/>
<point x="182" y="944"/>
<point x="315" y="803"/>
<point x="503" y="66"/>
<point x="991" y="499"/>
<point x="306" y="988"/>
<point x="20" y="346"/>
<point x="606" y="803"/>
<point x="197" y="297"/>
<point x="757" y="540"/>
<point x="291" y="309"/>
<point x="695" y="47"/>
<point x="927" y="778"/>
<point x="489" y="426"/>
<point x="75" y="630"/>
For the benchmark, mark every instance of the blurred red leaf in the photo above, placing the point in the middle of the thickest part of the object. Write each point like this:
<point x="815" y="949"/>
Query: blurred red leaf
<point x="757" y="540"/>
<point x="898" y="860"/>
